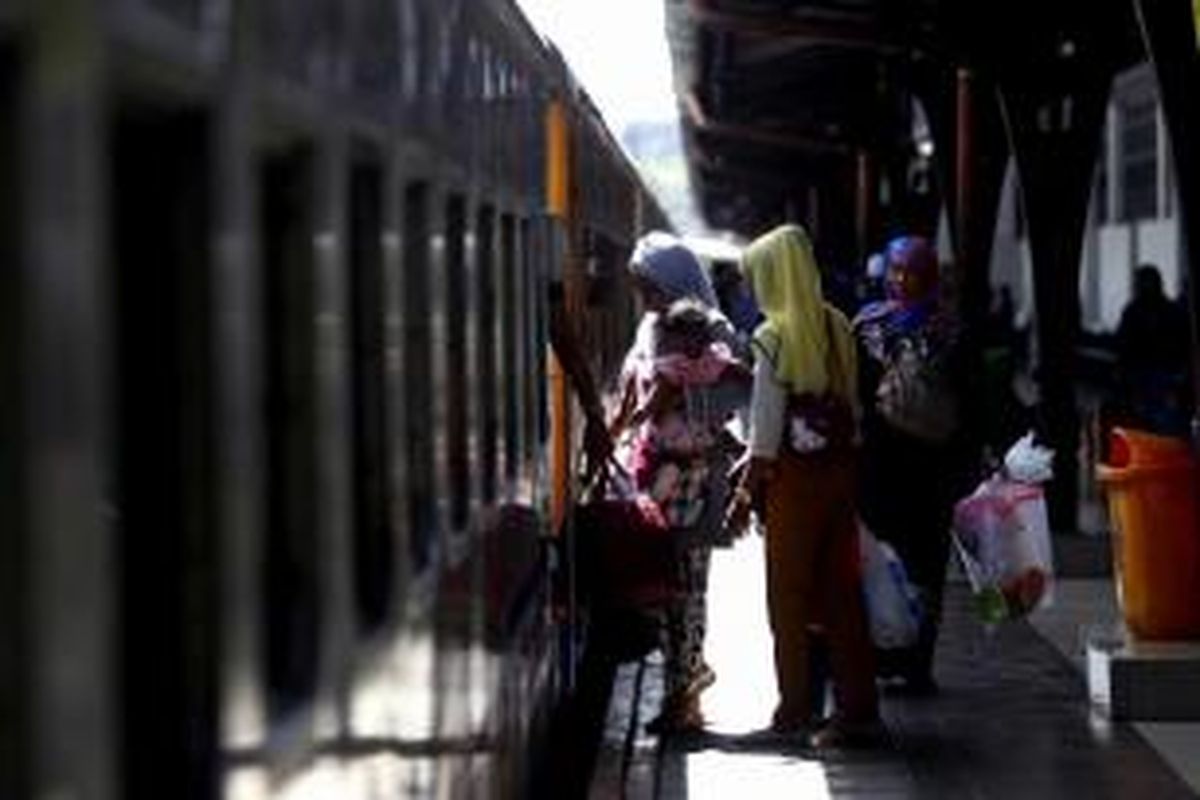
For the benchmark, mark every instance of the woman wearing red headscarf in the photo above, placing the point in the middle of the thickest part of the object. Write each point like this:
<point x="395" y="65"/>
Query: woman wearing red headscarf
<point x="913" y="456"/>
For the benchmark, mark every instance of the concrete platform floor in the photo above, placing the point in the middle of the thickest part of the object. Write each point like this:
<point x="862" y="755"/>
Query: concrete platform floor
<point x="1012" y="719"/>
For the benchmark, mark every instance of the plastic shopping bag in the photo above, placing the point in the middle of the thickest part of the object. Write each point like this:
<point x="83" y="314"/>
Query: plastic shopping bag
<point x="893" y="605"/>
<point x="1027" y="462"/>
<point x="1002" y="535"/>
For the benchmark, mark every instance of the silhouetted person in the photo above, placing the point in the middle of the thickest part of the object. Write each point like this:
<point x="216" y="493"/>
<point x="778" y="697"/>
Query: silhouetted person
<point x="916" y="448"/>
<point x="1152" y="357"/>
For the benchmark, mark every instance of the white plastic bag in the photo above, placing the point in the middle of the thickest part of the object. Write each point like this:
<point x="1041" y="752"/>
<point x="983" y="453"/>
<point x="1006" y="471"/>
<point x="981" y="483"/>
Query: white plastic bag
<point x="1002" y="535"/>
<point x="893" y="606"/>
<point x="1027" y="462"/>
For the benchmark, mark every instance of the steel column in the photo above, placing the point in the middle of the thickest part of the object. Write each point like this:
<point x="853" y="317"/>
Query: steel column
<point x="1053" y="123"/>
<point x="66" y="443"/>
<point x="979" y="163"/>
<point x="866" y="200"/>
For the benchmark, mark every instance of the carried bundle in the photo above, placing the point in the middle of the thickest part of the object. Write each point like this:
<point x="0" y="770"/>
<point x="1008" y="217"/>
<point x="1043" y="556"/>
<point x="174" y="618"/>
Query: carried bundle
<point x="894" y="609"/>
<point x="1002" y="535"/>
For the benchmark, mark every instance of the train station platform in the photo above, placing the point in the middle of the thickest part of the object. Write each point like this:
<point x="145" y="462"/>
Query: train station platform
<point x="1012" y="718"/>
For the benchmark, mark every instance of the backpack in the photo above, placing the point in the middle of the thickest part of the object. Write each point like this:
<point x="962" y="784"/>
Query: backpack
<point x="821" y="422"/>
<point x="815" y="423"/>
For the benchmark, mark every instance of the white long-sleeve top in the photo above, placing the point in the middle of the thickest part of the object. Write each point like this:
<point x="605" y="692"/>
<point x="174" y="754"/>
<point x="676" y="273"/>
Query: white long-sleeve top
<point x="768" y="407"/>
<point x="768" y="401"/>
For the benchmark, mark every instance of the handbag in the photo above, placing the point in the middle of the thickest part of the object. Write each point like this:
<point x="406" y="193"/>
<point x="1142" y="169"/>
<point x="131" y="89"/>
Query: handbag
<point x="626" y="554"/>
<point x="914" y="393"/>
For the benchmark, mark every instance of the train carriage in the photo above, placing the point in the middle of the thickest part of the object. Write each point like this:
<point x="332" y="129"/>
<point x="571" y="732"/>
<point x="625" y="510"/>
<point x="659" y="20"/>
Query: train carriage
<point x="287" y="445"/>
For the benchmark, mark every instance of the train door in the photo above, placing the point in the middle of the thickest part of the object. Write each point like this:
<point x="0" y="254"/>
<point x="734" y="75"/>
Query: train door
<point x="373" y="546"/>
<point x="163" y="446"/>
<point x="291" y="579"/>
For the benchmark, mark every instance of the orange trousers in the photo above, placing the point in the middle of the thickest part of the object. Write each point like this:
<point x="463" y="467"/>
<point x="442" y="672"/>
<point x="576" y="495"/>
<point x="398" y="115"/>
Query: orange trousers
<point x="813" y="576"/>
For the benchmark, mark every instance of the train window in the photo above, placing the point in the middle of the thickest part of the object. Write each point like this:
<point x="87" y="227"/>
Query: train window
<point x="289" y="43"/>
<point x="457" y="457"/>
<point x="510" y="315"/>
<point x="504" y="122"/>
<point x="537" y="419"/>
<point x="192" y="13"/>
<point x="485" y="351"/>
<point x="410" y="23"/>
<point x="163" y="437"/>
<point x="422" y="503"/>
<point x="487" y="75"/>
<point x="291" y="581"/>
<point x="525" y="343"/>
<point x="605" y="287"/>
<point x="436" y="63"/>
<point x="372" y="533"/>
<point x="471" y="77"/>
<point x="375" y="38"/>
<point x="536" y="267"/>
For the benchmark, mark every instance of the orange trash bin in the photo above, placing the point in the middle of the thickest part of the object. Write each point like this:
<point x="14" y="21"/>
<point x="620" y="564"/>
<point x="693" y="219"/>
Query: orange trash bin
<point x="1151" y="485"/>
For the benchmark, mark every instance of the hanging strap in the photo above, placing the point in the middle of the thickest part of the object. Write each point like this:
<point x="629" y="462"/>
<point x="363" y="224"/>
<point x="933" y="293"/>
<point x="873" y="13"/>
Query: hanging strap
<point x="611" y="478"/>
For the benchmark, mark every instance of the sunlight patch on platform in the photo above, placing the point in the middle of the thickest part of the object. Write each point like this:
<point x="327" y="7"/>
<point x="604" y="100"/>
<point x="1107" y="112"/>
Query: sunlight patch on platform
<point x="722" y="775"/>
<point x="739" y="641"/>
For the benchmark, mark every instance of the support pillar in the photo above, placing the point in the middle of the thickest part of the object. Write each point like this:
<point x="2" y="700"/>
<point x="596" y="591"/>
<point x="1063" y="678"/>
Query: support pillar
<point x="239" y="387"/>
<point x="866" y="199"/>
<point x="1053" y="123"/>
<point x="68" y="717"/>
<point x="980" y="155"/>
<point x="980" y="159"/>
<point x="814" y="212"/>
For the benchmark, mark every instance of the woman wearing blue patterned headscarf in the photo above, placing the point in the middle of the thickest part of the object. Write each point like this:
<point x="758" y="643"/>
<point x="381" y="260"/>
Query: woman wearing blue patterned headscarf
<point x="669" y="276"/>
<point x="912" y="383"/>
<point x="667" y="270"/>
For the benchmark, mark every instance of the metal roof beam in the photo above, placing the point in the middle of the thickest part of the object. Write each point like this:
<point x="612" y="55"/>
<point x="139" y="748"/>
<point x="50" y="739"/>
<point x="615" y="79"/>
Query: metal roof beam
<point x="856" y="35"/>
<point x="759" y="136"/>
<point x="746" y="176"/>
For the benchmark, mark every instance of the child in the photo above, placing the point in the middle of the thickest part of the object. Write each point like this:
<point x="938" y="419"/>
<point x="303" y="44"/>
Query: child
<point x="687" y="390"/>
<point x="682" y="385"/>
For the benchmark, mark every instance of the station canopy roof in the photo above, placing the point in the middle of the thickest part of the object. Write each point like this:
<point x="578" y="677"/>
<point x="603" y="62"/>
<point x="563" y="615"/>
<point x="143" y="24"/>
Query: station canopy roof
<point x="779" y="97"/>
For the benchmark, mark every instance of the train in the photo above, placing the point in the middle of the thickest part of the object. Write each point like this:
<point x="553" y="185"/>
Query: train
<point x="287" y="456"/>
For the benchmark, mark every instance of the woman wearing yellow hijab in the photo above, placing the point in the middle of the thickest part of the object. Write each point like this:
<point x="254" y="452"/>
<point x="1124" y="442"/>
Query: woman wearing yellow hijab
<point x="802" y="442"/>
